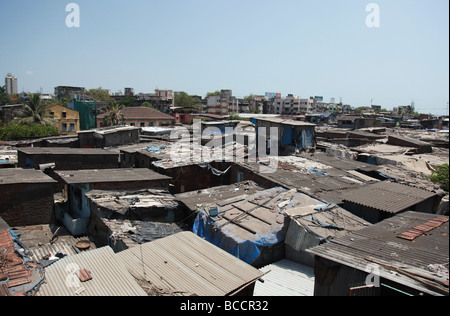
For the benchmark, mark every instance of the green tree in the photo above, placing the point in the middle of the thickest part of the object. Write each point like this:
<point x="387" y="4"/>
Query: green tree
<point x="250" y="97"/>
<point x="99" y="95"/>
<point x="128" y="101"/>
<point x="184" y="100"/>
<point x="211" y="94"/>
<point x="440" y="176"/>
<point x="148" y="105"/>
<point x="234" y="117"/>
<point x="114" y="115"/>
<point x="13" y="131"/>
<point x="361" y="109"/>
<point x="4" y="99"/>
<point x="34" y="112"/>
<point x="411" y="111"/>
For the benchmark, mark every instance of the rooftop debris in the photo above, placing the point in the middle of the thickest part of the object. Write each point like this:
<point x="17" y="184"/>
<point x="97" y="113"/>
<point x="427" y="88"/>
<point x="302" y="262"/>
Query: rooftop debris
<point x="423" y="228"/>
<point x="306" y="202"/>
<point x="18" y="273"/>
<point x="124" y="202"/>
<point x="202" y="198"/>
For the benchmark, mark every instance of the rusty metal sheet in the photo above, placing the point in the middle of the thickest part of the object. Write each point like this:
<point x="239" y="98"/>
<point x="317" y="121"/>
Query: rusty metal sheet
<point x="4" y="291"/>
<point x="19" y="281"/>
<point x="3" y="276"/>
<point x="423" y="228"/>
<point x="84" y="275"/>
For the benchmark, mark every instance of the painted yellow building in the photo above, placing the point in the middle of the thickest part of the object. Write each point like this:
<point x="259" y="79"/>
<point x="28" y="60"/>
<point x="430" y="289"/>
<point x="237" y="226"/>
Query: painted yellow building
<point x="68" y="119"/>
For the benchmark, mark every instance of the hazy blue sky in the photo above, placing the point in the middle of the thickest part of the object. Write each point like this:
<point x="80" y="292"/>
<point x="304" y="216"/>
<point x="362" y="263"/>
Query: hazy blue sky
<point x="303" y="47"/>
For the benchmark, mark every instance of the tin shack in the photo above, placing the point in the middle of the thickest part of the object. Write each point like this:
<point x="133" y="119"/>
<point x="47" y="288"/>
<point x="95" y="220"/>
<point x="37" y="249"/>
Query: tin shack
<point x="292" y="135"/>
<point x="75" y="212"/>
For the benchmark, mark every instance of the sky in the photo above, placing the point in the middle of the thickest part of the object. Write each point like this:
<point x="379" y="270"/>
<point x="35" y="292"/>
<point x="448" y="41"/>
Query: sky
<point x="301" y="47"/>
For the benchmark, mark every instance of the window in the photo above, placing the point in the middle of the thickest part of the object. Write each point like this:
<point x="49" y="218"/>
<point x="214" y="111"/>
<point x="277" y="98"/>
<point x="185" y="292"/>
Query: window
<point x="72" y="127"/>
<point x="240" y="176"/>
<point x="142" y="124"/>
<point x="64" y="114"/>
<point x="64" y="127"/>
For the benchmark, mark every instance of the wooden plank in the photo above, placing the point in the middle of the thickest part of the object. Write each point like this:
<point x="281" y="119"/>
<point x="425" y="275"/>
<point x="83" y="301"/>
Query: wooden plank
<point x="246" y="227"/>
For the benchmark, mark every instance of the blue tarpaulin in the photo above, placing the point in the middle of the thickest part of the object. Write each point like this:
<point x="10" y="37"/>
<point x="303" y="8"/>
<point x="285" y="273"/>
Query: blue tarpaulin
<point x="287" y="135"/>
<point x="307" y="139"/>
<point x="156" y="149"/>
<point x="246" y="250"/>
<point x="226" y="237"/>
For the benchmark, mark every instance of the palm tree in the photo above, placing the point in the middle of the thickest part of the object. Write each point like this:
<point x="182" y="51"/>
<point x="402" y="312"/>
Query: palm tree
<point x="34" y="112"/>
<point x="114" y="115"/>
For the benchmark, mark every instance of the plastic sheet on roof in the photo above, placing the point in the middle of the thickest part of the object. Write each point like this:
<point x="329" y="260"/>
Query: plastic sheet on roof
<point x="246" y="250"/>
<point x="232" y="240"/>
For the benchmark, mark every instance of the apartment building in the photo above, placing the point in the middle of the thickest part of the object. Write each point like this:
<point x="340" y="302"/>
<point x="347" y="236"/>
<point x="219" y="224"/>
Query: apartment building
<point x="293" y="105"/>
<point x="68" y="120"/>
<point x="11" y="84"/>
<point x="224" y="104"/>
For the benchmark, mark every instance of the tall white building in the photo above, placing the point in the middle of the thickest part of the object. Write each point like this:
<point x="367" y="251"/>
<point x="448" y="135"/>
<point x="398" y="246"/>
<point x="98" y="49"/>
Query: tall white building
<point x="11" y="84"/>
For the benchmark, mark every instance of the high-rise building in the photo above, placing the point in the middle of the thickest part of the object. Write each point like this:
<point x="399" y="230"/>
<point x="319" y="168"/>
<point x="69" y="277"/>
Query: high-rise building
<point x="11" y="84"/>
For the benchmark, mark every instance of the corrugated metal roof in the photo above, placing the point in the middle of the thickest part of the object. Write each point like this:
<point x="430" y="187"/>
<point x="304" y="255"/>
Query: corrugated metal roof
<point x="286" y="278"/>
<point x="286" y="122"/>
<point x="186" y="264"/>
<point x="380" y="243"/>
<point x="423" y="228"/>
<point x="331" y="222"/>
<point x="109" y="276"/>
<point x="110" y="175"/>
<point x="65" y="247"/>
<point x="387" y="196"/>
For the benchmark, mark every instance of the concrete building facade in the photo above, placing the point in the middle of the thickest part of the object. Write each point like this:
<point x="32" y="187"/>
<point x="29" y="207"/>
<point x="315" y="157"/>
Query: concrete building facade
<point x="11" y="84"/>
<point x="68" y="120"/>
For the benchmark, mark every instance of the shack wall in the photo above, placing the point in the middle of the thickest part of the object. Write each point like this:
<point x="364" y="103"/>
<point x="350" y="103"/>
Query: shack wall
<point x="27" y="204"/>
<point x="68" y="161"/>
<point x="334" y="279"/>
